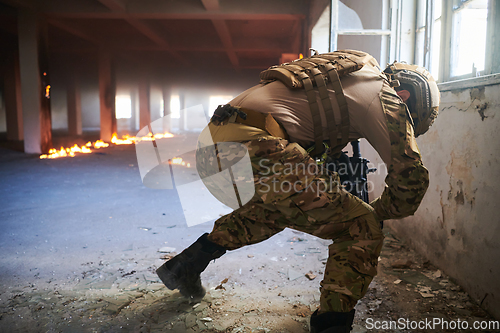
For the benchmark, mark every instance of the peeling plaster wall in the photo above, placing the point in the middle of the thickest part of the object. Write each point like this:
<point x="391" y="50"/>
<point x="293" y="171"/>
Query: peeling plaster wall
<point x="457" y="226"/>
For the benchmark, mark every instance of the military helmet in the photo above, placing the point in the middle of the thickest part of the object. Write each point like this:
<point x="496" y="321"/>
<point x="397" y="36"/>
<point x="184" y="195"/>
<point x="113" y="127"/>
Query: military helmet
<point x="424" y="93"/>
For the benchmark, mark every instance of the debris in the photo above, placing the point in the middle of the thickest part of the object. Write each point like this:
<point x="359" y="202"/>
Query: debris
<point x="145" y="228"/>
<point x="296" y="239"/>
<point x="220" y="286"/>
<point x="190" y="320"/>
<point x="250" y="313"/>
<point x="402" y="263"/>
<point x="426" y="295"/>
<point x="200" y="307"/>
<point x="394" y="246"/>
<point x="310" y="275"/>
<point x="398" y="281"/>
<point x="250" y="256"/>
<point x="417" y="278"/>
<point x="374" y="305"/>
<point x="206" y="319"/>
<point x="168" y="256"/>
<point x="166" y="249"/>
<point x="437" y="274"/>
<point x="130" y="273"/>
<point x="425" y="289"/>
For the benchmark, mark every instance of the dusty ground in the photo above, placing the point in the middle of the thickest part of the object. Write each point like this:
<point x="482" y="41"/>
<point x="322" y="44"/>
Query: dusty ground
<point x="80" y="243"/>
<point x="264" y="292"/>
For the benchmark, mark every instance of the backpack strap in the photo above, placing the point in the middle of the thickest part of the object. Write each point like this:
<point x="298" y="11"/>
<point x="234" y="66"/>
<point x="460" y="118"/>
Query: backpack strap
<point x="319" y="71"/>
<point x="327" y="104"/>
<point x="316" y="116"/>
<point x="342" y="102"/>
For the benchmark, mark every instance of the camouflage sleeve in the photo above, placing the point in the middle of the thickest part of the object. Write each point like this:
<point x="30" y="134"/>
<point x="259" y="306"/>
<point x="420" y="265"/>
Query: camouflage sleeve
<point x="407" y="179"/>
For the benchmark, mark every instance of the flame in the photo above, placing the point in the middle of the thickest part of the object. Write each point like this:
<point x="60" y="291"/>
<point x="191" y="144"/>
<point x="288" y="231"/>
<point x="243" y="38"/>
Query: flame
<point x="99" y="144"/>
<point x="125" y="140"/>
<point x="179" y="161"/>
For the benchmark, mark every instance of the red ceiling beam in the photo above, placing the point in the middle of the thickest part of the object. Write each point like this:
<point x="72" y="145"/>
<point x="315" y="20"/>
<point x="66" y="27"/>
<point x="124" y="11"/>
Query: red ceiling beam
<point x="177" y="16"/>
<point x="118" y="7"/>
<point x="223" y="32"/>
<point x="21" y="4"/>
<point x="225" y="37"/>
<point x="114" y="5"/>
<point x="74" y="31"/>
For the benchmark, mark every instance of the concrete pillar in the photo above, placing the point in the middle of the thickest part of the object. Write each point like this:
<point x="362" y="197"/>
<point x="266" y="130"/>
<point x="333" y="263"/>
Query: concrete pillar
<point x="107" y="93"/>
<point x="144" y="103"/>
<point x="74" y="105"/>
<point x="13" y="99"/>
<point x="183" y="118"/>
<point x="166" y="110"/>
<point x="35" y="88"/>
<point x="134" y="113"/>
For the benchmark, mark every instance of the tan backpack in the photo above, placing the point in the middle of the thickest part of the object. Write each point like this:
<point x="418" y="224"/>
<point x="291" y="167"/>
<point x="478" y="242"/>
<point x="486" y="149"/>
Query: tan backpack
<point x="318" y="71"/>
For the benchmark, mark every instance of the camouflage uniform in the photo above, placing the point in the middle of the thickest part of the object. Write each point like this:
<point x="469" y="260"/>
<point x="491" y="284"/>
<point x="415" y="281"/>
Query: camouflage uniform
<point x="318" y="205"/>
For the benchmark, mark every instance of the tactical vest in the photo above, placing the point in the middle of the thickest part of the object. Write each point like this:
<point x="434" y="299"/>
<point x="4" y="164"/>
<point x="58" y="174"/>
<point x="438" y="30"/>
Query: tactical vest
<point x="317" y="72"/>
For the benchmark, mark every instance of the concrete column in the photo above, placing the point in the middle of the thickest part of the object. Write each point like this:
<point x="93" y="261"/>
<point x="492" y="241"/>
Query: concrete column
<point x="74" y="105"/>
<point x="183" y="118"/>
<point x="144" y="103"/>
<point x="166" y="110"/>
<point x="35" y="88"/>
<point x="13" y="99"/>
<point x="134" y="115"/>
<point x="107" y="91"/>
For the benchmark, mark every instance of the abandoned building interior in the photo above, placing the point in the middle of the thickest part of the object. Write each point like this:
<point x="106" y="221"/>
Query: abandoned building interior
<point x="82" y="233"/>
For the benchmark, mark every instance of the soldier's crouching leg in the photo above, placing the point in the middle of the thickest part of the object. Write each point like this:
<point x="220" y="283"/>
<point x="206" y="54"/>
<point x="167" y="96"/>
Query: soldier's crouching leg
<point x="250" y="224"/>
<point x="351" y="265"/>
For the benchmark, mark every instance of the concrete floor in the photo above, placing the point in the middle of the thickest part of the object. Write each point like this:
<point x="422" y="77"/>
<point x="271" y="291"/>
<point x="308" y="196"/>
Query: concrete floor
<point x="80" y="239"/>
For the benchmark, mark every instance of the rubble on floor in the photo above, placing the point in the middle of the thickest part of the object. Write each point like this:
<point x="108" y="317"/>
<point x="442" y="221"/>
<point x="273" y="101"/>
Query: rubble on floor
<point x="248" y="291"/>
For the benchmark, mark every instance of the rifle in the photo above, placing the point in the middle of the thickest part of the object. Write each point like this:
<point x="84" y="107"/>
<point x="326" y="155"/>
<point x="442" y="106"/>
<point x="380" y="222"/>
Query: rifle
<point x="352" y="171"/>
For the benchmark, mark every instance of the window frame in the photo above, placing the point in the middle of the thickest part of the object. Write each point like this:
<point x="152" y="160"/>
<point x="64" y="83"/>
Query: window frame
<point x="388" y="19"/>
<point x="445" y="59"/>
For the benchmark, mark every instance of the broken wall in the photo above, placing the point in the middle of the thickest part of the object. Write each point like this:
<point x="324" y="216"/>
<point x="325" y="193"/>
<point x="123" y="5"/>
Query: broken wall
<point x="457" y="225"/>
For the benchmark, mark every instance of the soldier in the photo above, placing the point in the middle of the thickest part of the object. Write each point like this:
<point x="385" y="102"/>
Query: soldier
<point x="284" y="124"/>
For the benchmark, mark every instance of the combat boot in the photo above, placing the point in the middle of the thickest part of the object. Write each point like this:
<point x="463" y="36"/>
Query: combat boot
<point x="183" y="271"/>
<point x="332" y="322"/>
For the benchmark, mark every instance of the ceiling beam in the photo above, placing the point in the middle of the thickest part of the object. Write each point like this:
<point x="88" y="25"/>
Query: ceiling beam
<point x="118" y="7"/>
<point x="74" y="31"/>
<point x="211" y="5"/>
<point x="223" y="32"/>
<point x="114" y="5"/>
<point x="296" y="36"/>
<point x="261" y="51"/>
<point x="225" y="37"/>
<point x="20" y="4"/>
<point x="176" y="16"/>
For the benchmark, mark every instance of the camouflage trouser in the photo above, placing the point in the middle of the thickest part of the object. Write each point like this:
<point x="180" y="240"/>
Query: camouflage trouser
<point x="291" y="191"/>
